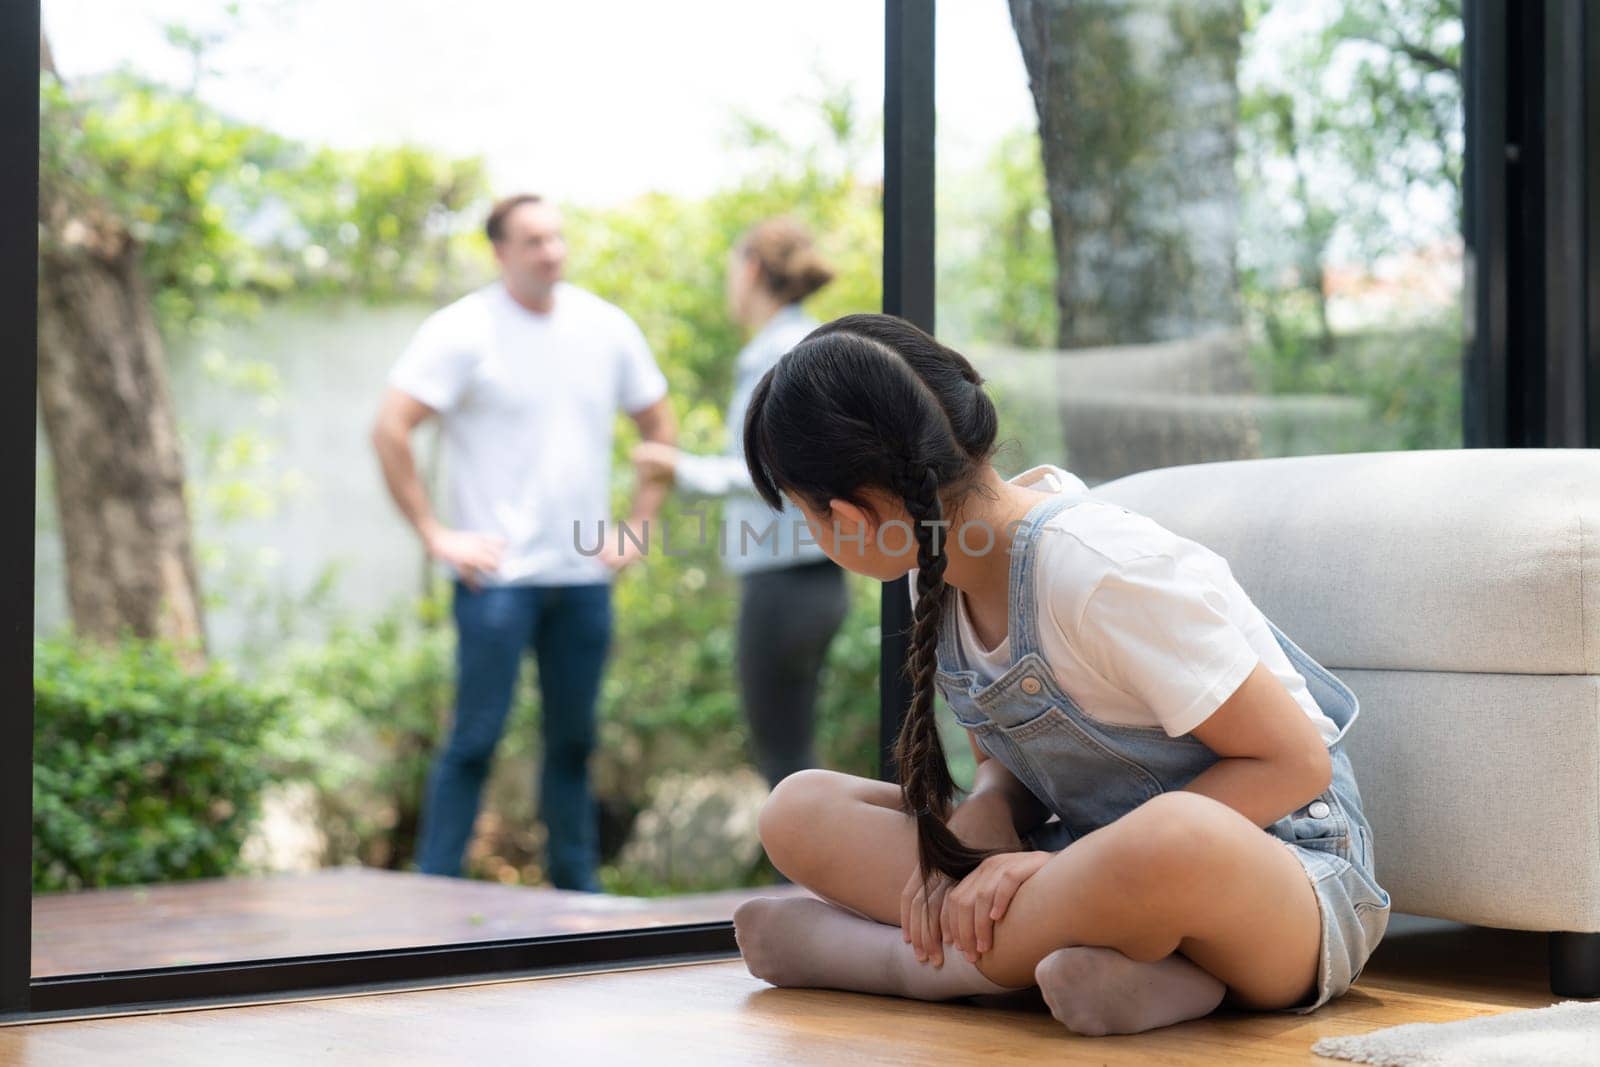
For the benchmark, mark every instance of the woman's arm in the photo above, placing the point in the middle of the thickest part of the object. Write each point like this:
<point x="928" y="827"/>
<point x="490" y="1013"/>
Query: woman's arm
<point x="665" y="465"/>
<point x="1273" y="761"/>
<point x="713" y="475"/>
<point x="727" y="473"/>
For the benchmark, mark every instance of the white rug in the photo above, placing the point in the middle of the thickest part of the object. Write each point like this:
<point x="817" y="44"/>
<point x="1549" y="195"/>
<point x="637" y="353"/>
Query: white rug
<point x="1562" y="1035"/>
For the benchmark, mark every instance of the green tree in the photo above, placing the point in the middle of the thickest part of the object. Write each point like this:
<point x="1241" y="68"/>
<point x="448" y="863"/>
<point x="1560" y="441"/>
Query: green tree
<point x="118" y="475"/>
<point x="1138" y="111"/>
<point x="161" y="219"/>
<point x="1358" y="123"/>
<point x="997" y="262"/>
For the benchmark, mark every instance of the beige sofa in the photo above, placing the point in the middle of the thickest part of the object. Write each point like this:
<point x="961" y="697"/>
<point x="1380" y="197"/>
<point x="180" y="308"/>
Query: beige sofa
<point x="1458" y="593"/>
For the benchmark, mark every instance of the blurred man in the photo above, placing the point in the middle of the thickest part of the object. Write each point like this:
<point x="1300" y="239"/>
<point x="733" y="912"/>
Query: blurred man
<point x="526" y="376"/>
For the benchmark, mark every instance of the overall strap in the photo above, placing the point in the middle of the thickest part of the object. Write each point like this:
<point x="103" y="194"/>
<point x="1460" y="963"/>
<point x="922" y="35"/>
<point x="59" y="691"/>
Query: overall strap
<point x="1024" y="621"/>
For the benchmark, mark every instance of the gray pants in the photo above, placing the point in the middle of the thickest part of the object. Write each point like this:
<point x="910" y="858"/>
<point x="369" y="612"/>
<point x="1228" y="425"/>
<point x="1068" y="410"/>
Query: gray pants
<point x="787" y="618"/>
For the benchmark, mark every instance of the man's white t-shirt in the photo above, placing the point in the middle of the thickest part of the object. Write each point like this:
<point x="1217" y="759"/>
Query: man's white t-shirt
<point x="528" y="404"/>
<point x="1141" y="627"/>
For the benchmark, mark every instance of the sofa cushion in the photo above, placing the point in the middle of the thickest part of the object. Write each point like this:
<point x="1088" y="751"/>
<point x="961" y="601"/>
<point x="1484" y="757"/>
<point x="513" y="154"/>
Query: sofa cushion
<point x="1472" y="560"/>
<point x="1482" y="794"/>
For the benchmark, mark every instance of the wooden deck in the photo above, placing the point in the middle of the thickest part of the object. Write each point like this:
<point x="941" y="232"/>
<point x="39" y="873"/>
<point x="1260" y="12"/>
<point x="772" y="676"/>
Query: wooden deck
<point x="345" y="909"/>
<point x="718" y="1014"/>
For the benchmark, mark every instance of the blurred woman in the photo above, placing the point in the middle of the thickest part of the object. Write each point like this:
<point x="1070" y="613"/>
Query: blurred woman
<point x="792" y="598"/>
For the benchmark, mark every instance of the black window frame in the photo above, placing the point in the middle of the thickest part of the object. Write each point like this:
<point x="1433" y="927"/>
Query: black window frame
<point x="1531" y="378"/>
<point x="1531" y="372"/>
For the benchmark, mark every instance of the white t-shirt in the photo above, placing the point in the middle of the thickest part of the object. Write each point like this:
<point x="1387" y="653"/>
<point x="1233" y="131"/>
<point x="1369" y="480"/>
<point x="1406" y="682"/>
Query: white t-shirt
<point x="1141" y="627"/>
<point x="528" y="405"/>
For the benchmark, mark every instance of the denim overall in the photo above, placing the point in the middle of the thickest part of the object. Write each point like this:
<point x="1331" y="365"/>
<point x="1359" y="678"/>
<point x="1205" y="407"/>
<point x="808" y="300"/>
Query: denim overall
<point x="1089" y="773"/>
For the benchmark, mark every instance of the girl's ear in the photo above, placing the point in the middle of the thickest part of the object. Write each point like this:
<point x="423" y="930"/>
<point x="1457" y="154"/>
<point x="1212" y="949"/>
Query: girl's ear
<point x="852" y="523"/>
<point x="851" y="518"/>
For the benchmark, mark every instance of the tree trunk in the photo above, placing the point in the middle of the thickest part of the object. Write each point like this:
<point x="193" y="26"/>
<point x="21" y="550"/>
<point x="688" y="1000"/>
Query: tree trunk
<point x="1138" y="108"/>
<point x="119" y="483"/>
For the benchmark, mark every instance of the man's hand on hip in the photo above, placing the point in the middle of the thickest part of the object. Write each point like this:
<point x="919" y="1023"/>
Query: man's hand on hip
<point x="622" y="555"/>
<point x="473" y="555"/>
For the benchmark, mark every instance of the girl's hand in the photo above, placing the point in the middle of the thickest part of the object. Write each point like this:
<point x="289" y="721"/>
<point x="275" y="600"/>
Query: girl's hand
<point x="919" y="916"/>
<point x="979" y="822"/>
<point x="972" y="908"/>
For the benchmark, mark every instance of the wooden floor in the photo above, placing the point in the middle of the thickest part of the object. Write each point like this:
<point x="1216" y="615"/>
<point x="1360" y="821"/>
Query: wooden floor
<point x="717" y="1013"/>
<point x="345" y="909"/>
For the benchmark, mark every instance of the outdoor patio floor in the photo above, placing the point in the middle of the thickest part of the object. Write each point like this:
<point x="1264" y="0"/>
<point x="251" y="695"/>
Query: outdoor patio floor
<point x="344" y="909"/>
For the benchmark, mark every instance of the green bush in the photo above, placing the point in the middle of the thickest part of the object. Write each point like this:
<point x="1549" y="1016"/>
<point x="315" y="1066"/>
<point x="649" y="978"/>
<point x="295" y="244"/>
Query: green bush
<point x="142" y="771"/>
<point x="369" y="703"/>
<point x="146" y="773"/>
<point x="1409" y="374"/>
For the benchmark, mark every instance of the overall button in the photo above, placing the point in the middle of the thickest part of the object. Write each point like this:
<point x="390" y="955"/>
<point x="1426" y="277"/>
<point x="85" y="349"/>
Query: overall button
<point x="1030" y="685"/>
<point x="1318" y="810"/>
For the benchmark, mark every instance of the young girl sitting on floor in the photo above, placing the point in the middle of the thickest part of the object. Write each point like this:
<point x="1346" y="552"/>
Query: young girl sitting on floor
<point x="1208" y="840"/>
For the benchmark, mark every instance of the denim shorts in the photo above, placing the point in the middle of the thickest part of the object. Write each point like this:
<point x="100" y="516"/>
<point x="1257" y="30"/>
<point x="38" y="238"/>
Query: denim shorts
<point x="1355" y="914"/>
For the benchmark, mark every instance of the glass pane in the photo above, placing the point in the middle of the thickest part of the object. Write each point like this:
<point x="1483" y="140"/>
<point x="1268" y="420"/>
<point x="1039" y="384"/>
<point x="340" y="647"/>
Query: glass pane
<point x="1224" y="230"/>
<point x="1227" y="230"/>
<point x="252" y="211"/>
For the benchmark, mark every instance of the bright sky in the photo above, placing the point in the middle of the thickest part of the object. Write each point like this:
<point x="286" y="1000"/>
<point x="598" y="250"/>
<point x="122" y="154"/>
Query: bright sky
<point x="590" y="102"/>
<point x="595" y="102"/>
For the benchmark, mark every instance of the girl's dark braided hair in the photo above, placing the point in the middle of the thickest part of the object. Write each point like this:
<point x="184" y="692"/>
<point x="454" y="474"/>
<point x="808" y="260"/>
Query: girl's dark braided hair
<point x="871" y="400"/>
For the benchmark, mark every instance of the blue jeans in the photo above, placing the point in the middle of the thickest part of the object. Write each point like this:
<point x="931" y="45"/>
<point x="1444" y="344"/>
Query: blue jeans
<point x="569" y="629"/>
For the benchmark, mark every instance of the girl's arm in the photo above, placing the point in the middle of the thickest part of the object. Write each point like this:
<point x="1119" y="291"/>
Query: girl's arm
<point x="1273" y="761"/>
<point x="998" y="802"/>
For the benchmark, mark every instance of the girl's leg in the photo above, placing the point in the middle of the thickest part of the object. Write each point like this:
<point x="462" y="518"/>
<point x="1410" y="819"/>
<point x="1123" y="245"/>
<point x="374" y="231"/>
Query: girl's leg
<point x="844" y="838"/>
<point x="812" y="944"/>
<point x="1181" y="873"/>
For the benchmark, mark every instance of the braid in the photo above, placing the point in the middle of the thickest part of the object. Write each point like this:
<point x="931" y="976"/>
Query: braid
<point x="925" y="782"/>
<point x="932" y="590"/>
<point x="931" y="791"/>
